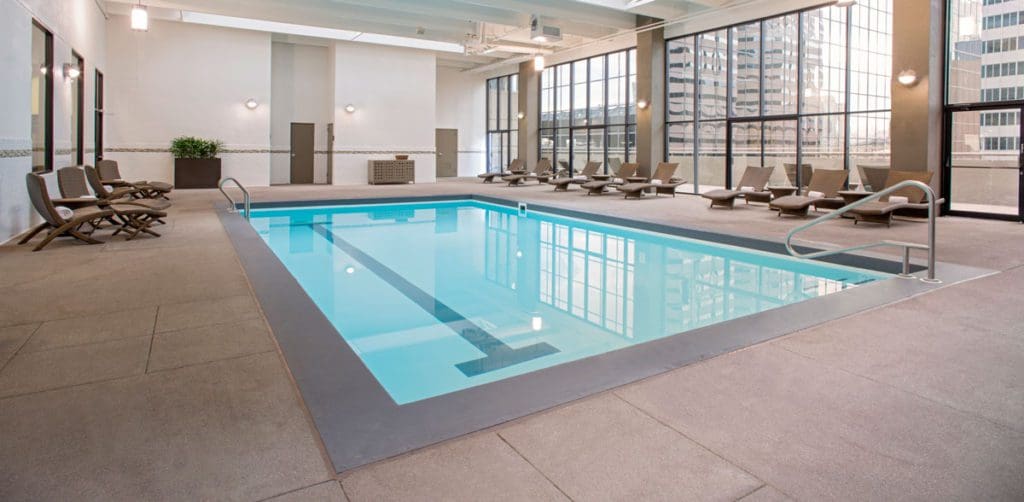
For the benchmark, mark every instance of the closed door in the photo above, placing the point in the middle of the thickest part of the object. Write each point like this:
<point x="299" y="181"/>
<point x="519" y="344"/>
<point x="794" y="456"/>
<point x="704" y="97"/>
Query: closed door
<point x="446" y="143"/>
<point x="302" y="153"/>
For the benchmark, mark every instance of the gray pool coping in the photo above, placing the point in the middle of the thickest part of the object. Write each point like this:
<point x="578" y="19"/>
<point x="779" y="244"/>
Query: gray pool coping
<point x="358" y="421"/>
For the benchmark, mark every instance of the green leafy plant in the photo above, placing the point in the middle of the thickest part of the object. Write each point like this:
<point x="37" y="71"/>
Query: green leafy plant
<point x="189" y="147"/>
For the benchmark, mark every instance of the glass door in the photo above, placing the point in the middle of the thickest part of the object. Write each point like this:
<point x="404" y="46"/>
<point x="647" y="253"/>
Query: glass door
<point x="985" y="165"/>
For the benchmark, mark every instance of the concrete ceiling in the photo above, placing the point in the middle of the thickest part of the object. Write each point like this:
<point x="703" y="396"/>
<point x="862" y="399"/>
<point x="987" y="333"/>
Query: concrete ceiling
<point x="491" y="30"/>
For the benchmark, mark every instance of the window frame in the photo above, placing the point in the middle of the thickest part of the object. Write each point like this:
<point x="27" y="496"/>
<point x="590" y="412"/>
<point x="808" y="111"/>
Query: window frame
<point x="48" y="99"/>
<point x="98" y="116"/>
<point x="79" y="90"/>
<point x="511" y="122"/>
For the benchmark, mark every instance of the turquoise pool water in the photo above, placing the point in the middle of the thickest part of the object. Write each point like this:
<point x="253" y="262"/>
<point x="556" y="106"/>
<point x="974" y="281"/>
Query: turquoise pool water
<point x="442" y="296"/>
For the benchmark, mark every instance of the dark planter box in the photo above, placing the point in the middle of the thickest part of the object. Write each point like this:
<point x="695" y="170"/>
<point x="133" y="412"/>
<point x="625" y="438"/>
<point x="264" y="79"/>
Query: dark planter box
<point x="196" y="173"/>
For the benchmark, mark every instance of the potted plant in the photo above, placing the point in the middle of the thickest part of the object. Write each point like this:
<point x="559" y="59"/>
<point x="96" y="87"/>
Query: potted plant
<point x="195" y="162"/>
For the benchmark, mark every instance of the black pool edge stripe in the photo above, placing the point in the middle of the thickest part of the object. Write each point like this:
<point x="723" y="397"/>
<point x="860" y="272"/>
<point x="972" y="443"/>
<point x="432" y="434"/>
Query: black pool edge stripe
<point x="359" y="423"/>
<point x="497" y="354"/>
<point x="856" y="260"/>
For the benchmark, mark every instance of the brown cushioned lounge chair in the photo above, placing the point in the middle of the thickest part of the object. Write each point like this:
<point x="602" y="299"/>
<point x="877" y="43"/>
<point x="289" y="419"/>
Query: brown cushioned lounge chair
<point x="827" y="182"/>
<point x="587" y="174"/>
<point x="754" y="177"/>
<point x="873" y="178"/>
<point x="514" y="167"/>
<point x="72" y="181"/>
<point x="73" y="226"/>
<point x="602" y="183"/>
<point x="662" y="182"/>
<point x="882" y="211"/>
<point x="111" y="176"/>
<point x="542" y="173"/>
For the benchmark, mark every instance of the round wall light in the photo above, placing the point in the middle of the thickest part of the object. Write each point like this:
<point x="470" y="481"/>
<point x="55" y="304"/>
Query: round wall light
<point x="642" y="104"/>
<point x="251" y="103"/>
<point x="521" y="115"/>
<point x="350" y="108"/>
<point x="907" y="78"/>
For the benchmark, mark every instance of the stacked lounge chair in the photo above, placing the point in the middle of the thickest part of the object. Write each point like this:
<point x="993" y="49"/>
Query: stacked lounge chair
<point x="542" y="173"/>
<point x="825" y="185"/>
<point x="908" y="198"/>
<point x="587" y="174"/>
<point x="111" y="176"/>
<point x="662" y="182"/>
<point x="602" y="183"/>
<point x="514" y="167"/>
<point x="73" y="224"/>
<point x="72" y="182"/>
<point x="754" y="179"/>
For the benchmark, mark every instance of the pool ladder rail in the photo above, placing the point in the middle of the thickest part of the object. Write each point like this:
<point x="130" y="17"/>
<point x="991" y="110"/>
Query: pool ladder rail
<point x="233" y="205"/>
<point x="907" y="246"/>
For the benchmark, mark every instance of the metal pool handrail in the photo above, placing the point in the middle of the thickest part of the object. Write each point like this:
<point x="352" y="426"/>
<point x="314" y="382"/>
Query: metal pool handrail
<point x="232" y="208"/>
<point x="907" y="246"/>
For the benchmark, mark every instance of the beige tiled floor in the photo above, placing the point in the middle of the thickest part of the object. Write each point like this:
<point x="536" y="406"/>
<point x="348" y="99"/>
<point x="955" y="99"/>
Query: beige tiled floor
<point x="143" y="371"/>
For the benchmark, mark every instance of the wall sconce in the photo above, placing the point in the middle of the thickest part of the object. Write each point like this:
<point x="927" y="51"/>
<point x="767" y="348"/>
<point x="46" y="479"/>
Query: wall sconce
<point x="350" y="108"/>
<point x="140" y="18"/>
<point x="538" y="63"/>
<point x="43" y="69"/>
<point x="521" y="115"/>
<point x="907" y="78"/>
<point x="642" y="104"/>
<point x="71" y="71"/>
<point x="251" y="103"/>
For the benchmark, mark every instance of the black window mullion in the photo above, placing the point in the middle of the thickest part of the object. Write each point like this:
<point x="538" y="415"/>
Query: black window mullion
<point x="799" y="99"/>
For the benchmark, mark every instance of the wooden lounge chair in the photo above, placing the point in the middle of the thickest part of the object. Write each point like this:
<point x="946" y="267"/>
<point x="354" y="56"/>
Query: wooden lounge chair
<point x="806" y="172"/>
<point x="587" y="174"/>
<point x="825" y="184"/>
<point x="59" y="225"/>
<point x="514" y="167"/>
<point x="111" y="176"/>
<point x="873" y="178"/>
<point x="72" y="183"/>
<point x="662" y="182"/>
<point x="754" y="179"/>
<point x="602" y="183"/>
<point x="542" y="173"/>
<point x="133" y="215"/>
<point x="906" y="199"/>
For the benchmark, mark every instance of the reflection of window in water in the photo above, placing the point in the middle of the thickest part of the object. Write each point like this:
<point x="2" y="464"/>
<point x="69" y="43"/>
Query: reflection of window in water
<point x="500" y="248"/>
<point x="588" y="274"/>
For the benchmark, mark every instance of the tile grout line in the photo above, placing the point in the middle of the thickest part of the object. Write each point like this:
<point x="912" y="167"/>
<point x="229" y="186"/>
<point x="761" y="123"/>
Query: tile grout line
<point x="736" y="464"/>
<point x="531" y="464"/>
<point x="755" y="490"/>
<point x="20" y="347"/>
<point x="232" y="358"/>
<point x="152" y="339"/>
<point x="903" y="391"/>
<point x="299" y="489"/>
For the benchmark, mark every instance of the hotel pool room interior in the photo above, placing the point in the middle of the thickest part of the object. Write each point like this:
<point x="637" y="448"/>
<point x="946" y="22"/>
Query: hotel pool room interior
<point x="351" y="250"/>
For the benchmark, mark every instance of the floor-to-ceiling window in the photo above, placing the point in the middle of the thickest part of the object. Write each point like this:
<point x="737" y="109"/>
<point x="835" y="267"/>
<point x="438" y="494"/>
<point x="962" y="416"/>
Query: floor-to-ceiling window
<point x="502" y="122"/>
<point x="42" y="99"/>
<point x="588" y="111"/>
<point x="98" y="118"/>
<point x="799" y="91"/>
<point x="77" y="108"/>
<point x="984" y="165"/>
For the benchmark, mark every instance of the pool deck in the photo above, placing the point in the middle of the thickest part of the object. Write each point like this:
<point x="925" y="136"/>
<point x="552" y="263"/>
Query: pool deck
<point x="145" y="370"/>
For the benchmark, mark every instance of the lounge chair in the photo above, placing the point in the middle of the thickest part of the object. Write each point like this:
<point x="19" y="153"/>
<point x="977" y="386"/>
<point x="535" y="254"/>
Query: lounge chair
<point x="542" y="173"/>
<point x="514" y="167"/>
<point x="587" y="174"/>
<point x="825" y="184"/>
<point x="111" y="176"/>
<point x="806" y="173"/>
<point x="68" y="224"/>
<point x="754" y="179"/>
<point x="873" y="178"/>
<point x="662" y="182"/>
<point x="72" y="181"/>
<point x="905" y="199"/>
<point x="602" y="183"/>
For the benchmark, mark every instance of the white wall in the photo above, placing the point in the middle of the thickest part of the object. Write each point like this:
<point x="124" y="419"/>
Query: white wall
<point x="393" y="90"/>
<point x="75" y="24"/>
<point x="461" y="104"/>
<point x="299" y="93"/>
<point x="184" y="79"/>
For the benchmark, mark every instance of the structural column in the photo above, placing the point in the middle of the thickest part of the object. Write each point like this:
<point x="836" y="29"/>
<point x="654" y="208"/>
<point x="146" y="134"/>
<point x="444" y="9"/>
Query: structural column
<point x="529" y="106"/>
<point x="650" y="82"/>
<point x="917" y="44"/>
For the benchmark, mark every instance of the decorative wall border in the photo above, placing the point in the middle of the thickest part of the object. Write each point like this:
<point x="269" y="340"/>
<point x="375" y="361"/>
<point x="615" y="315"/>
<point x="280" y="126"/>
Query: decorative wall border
<point x="279" y="151"/>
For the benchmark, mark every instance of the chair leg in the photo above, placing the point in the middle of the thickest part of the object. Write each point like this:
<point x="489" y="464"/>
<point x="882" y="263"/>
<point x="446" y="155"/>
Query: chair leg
<point x="38" y="228"/>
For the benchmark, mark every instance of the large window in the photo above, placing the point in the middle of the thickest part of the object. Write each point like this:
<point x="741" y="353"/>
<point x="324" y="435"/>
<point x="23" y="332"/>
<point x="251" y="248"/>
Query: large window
<point x="801" y="91"/>
<point x="42" y="99"/>
<point x="588" y="111"/>
<point x="984" y="171"/>
<point x="502" y="122"/>
<point x="77" y="111"/>
<point x="98" y="118"/>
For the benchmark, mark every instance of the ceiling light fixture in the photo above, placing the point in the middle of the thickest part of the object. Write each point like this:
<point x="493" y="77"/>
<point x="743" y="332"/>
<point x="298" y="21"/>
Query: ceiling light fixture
<point x="846" y="3"/>
<point x="538" y="63"/>
<point x="251" y="103"/>
<point x="907" y="78"/>
<point x="140" y="18"/>
<point x="350" y="108"/>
